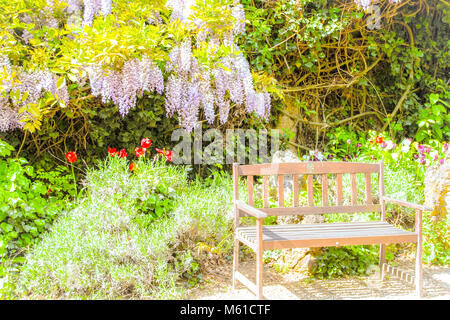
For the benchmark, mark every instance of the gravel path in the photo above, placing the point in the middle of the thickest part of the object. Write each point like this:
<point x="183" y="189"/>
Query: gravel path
<point x="294" y="286"/>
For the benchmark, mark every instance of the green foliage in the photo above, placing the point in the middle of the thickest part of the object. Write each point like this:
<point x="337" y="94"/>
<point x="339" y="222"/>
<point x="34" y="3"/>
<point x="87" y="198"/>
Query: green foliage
<point x="59" y="182"/>
<point x="436" y="246"/>
<point x="104" y="249"/>
<point x="434" y="119"/>
<point x="26" y="208"/>
<point x="352" y="260"/>
<point x="335" y="70"/>
<point x="159" y="201"/>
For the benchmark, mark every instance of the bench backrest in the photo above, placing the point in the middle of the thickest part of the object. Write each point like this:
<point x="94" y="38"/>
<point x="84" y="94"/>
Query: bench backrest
<point x="307" y="170"/>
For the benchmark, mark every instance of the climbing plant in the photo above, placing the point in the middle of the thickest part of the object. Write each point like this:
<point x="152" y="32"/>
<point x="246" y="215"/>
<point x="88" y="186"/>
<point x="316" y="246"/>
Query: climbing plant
<point x="363" y="64"/>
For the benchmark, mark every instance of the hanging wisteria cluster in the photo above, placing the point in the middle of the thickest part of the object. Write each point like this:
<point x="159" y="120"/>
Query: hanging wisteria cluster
<point x="31" y="87"/>
<point x="122" y="87"/>
<point x="92" y="8"/>
<point x="190" y="87"/>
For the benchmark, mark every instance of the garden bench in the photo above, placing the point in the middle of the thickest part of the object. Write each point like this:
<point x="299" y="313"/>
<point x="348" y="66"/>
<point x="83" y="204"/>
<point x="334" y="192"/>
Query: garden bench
<point x="269" y="237"/>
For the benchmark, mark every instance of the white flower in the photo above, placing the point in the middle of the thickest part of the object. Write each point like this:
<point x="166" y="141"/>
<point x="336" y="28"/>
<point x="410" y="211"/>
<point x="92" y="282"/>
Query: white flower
<point x="389" y="145"/>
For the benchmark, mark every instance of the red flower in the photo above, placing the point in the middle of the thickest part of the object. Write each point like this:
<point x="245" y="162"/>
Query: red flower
<point x="146" y="143"/>
<point x="123" y="153"/>
<point x="71" y="156"/>
<point x="133" y="166"/>
<point x="372" y="157"/>
<point x="139" y="152"/>
<point x="167" y="154"/>
<point x="112" y="151"/>
<point x="379" y="139"/>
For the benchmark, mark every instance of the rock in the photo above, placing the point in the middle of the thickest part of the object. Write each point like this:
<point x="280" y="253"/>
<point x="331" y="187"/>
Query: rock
<point x="284" y="156"/>
<point x="313" y="218"/>
<point x="437" y="188"/>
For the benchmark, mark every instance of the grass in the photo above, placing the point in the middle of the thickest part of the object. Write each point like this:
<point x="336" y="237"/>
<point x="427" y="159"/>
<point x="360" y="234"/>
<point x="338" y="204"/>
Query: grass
<point x="106" y="248"/>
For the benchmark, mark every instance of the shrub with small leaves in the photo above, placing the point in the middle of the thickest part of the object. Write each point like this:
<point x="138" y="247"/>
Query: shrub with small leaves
<point x="26" y="208"/>
<point x="352" y="260"/>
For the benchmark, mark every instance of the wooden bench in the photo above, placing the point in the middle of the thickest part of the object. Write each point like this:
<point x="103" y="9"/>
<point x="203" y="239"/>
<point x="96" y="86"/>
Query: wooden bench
<point x="269" y="237"/>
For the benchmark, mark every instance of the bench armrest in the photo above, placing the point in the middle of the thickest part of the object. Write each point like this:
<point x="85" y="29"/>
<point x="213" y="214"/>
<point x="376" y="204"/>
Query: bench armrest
<point x="407" y="204"/>
<point x="249" y="209"/>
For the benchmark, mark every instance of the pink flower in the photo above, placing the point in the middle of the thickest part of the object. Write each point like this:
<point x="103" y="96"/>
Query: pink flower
<point x="358" y="145"/>
<point x="441" y="161"/>
<point x="389" y="145"/>
<point x="407" y="141"/>
<point x="349" y="141"/>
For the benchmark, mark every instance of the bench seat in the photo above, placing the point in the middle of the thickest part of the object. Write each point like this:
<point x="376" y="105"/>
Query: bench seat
<point x="325" y="234"/>
<point x="309" y="194"/>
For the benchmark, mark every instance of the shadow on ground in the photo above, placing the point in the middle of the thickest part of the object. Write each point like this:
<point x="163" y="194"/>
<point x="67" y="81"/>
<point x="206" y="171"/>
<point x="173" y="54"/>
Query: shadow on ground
<point x="292" y="286"/>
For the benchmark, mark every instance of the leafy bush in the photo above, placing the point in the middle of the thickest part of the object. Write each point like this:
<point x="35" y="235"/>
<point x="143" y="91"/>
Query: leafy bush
<point x="351" y="260"/>
<point x="111" y="247"/>
<point x="27" y="206"/>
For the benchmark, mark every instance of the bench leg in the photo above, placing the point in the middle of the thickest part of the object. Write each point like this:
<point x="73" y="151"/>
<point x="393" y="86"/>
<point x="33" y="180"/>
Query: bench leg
<point x="259" y="259"/>
<point x="235" y="261"/>
<point x="259" y="274"/>
<point x="382" y="259"/>
<point x="419" y="279"/>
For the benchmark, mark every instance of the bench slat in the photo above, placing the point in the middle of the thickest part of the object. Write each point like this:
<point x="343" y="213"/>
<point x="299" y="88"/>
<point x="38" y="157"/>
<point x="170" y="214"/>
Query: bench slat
<point x="250" y="190"/>
<point x="339" y="189"/>
<point x="324" y="190"/>
<point x="280" y="190"/>
<point x="368" y="189"/>
<point x="265" y="191"/>
<point x="310" y="190"/>
<point x="320" y="210"/>
<point x="354" y="190"/>
<point x="308" y="167"/>
<point x="320" y="226"/>
<point x="319" y="235"/>
<point x="296" y="187"/>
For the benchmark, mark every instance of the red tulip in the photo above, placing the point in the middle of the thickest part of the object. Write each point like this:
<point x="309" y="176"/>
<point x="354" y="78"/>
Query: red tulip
<point x="123" y="153"/>
<point x="146" y="143"/>
<point x="133" y="166"/>
<point x="71" y="156"/>
<point x="167" y="154"/>
<point x="139" y="152"/>
<point x="112" y="151"/>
